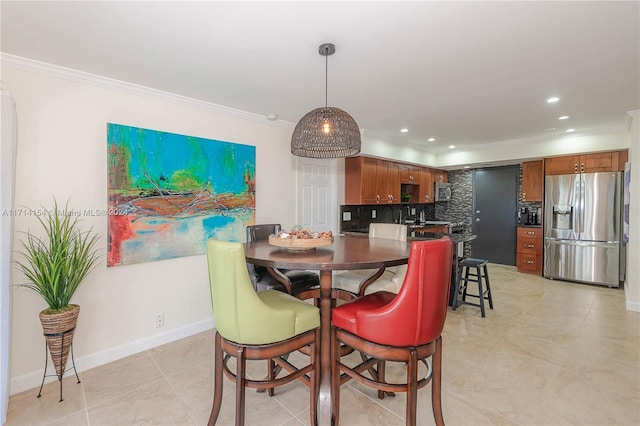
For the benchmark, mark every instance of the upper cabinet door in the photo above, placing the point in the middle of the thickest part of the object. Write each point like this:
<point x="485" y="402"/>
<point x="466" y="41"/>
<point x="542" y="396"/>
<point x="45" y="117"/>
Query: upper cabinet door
<point x="600" y="162"/>
<point x="562" y="165"/>
<point x="409" y="174"/>
<point x="369" y="190"/>
<point x="426" y="185"/>
<point x="388" y="181"/>
<point x="532" y="181"/>
<point x="585" y="163"/>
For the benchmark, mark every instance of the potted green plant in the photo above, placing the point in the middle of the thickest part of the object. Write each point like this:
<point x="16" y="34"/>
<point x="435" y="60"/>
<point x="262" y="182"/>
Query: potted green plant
<point x="55" y="265"/>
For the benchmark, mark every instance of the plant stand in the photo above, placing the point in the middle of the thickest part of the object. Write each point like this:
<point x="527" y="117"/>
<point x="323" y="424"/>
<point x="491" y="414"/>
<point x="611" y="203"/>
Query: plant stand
<point x="60" y="361"/>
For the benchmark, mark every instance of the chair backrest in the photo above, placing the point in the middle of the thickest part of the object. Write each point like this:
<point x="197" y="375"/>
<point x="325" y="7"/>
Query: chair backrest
<point x="390" y="231"/>
<point x="416" y="315"/>
<point x="240" y="314"/>
<point x="262" y="232"/>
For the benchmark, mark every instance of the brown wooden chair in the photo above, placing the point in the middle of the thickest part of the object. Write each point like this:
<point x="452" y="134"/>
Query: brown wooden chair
<point x="257" y="326"/>
<point x="290" y="281"/>
<point x="405" y="327"/>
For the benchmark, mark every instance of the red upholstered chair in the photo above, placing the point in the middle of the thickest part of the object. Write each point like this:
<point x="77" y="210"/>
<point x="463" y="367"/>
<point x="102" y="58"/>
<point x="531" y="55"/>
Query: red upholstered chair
<point x="405" y="328"/>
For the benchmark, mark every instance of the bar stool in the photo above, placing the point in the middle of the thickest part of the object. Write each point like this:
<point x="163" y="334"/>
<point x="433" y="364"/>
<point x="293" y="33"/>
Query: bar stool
<point x="467" y="275"/>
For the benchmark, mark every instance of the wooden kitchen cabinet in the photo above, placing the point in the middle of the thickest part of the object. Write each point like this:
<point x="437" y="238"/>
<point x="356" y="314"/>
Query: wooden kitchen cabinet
<point x="388" y="181"/>
<point x="440" y="175"/>
<point x="409" y="174"/>
<point x="426" y="185"/>
<point x="361" y="180"/>
<point x="371" y="181"/>
<point x="529" y="250"/>
<point x="532" y="180"/>
<point x="584" y="163"/>
<point x="374" y="181"/>
<point x="623" y="157"/>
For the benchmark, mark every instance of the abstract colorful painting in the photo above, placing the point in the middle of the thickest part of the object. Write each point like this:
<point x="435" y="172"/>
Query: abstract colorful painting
<point x="169" y="193"/>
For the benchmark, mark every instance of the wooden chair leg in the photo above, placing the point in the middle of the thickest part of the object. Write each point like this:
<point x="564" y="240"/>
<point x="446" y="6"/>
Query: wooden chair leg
<point x="412" y="388"/>
<point x="436" y="383"/>
<point x="335" y="380"/>
<point x="241" y="365"/>
<point x="217" y="376"/>
<point x="271" y="375"/>
<point x="314" y="383"/>
<point x="381" y="377"/>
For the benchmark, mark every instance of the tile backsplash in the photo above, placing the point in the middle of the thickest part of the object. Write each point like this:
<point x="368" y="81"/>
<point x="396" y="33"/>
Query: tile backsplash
<point x="356" y="218"/>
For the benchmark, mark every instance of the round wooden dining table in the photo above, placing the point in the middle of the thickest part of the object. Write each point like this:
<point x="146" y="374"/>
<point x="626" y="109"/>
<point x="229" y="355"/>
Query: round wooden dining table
<point x="346" y="253"/>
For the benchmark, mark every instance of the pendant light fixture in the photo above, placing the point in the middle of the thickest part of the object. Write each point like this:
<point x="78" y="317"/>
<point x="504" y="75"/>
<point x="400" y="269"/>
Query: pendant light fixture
<point x="326" y="132"/>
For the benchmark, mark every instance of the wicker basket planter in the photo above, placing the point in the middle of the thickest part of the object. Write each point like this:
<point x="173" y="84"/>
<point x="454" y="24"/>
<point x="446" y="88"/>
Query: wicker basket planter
<point x="59" y="329"/>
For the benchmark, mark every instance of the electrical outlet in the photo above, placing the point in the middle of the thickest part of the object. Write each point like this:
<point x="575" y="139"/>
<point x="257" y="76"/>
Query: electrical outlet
<point x="159" y="320"/>
<point x="413" y="211"/>
<point x="373" y="214"/>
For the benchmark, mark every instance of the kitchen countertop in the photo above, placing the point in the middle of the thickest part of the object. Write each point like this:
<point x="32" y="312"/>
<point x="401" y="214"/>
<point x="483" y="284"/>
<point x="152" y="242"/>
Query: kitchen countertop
<point x="424" y="235"/>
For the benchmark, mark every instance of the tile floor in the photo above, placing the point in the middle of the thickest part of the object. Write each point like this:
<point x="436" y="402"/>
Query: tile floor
<point x="550" y="353"/>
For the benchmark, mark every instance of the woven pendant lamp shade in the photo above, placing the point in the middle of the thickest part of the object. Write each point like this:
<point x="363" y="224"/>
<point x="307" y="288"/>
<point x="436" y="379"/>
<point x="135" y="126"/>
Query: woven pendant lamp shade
<point x="326" y="132"/>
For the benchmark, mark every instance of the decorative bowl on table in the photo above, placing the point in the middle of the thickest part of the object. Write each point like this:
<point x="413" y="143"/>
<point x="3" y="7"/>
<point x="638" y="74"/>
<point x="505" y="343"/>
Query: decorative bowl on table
<point x="301" y="239"/>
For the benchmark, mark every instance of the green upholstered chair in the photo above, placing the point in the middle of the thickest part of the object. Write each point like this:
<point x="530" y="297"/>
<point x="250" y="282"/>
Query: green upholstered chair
<point x="256" y="326"/>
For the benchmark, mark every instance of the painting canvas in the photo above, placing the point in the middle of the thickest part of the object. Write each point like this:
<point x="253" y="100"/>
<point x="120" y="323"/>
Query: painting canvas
<point x="169" y="193"/>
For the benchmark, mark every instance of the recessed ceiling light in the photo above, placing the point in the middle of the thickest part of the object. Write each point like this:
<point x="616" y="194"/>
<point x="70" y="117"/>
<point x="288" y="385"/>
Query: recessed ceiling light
<point x="553" y="99"/>
<point x="571" y="130"/>
<point x="550" y="129"/>
<point x="451" y="146"/>
<point x="431" y="139"/>
<point x="563" y="117"/>
<point x="466" y="167"/>
<point x="404" y="130"/>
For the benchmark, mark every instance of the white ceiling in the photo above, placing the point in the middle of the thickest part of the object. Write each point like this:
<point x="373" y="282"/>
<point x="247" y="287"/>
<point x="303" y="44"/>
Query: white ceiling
<point x="465" y="73"/>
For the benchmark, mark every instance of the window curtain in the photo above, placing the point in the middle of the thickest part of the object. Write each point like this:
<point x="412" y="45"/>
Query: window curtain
<point x="8" y="143"/>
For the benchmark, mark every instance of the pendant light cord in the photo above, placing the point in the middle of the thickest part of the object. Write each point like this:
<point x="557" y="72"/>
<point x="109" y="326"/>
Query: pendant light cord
<point x="326" y="79"/>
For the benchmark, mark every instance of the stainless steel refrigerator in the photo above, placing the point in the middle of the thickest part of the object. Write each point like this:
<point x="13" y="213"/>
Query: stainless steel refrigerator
<point x="582" y="227"/>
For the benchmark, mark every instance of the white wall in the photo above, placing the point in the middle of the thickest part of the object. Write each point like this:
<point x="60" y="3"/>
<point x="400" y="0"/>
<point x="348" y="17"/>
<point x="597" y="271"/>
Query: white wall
<point x="62" y="119"/>
<point x="8" y="141"/>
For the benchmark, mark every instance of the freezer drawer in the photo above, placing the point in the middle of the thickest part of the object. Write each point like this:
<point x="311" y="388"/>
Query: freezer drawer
<point x="589" y="262"/>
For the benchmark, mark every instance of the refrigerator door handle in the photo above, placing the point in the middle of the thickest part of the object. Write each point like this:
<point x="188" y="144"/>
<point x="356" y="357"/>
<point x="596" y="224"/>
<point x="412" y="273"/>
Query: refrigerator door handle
<point x="577" y="243"/>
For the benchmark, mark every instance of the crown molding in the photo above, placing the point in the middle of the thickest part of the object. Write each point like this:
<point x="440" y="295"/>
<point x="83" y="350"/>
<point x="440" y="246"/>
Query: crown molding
<point x="56" y="71"/>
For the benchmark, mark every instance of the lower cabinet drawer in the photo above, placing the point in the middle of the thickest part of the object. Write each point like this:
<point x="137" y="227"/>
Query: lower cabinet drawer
<point x="531" y="263"/>
<point x="530" y="245"/>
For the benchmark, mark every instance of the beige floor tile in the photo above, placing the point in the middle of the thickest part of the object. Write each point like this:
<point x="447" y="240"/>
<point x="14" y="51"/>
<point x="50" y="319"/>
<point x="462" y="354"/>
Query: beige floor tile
<point x="357" y="408"/>
<point x="26" y="409"/>
<point x="260" y="409"/>
<point x="193" y="351"/>
<point x="79" y="418"/>
<point x="194" y="386"/>
<point x="120" y="377"/>
<point x="154" y="403"/>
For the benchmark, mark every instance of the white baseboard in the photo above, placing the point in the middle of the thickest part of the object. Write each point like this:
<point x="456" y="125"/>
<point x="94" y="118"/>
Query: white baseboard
<point x="33" y="379"/>
<point x="633" y="306"/>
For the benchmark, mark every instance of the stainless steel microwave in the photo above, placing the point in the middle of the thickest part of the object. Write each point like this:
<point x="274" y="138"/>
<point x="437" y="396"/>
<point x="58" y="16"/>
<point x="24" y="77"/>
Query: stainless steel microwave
<point x="442" y="191"/>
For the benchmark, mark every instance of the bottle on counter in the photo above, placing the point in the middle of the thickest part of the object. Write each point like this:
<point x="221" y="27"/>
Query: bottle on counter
<point x="422" y="218"/>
